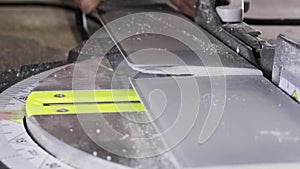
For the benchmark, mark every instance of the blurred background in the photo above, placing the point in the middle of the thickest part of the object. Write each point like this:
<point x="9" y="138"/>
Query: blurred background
<point x="30" y="35"/>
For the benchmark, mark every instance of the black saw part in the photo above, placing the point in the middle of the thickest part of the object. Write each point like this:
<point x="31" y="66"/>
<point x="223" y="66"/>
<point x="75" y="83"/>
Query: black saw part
<point x="238" y="36"/>
<point x="12" y="76"/>
<point x="2" y="166"/>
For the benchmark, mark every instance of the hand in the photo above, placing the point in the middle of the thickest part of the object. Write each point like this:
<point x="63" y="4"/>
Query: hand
<point x="185" y="6"/>
<point x="88" y="5"/>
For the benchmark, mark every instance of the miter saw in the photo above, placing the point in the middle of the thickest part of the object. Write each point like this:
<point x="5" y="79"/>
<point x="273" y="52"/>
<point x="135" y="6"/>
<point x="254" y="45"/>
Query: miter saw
<point x="154" y="89"/>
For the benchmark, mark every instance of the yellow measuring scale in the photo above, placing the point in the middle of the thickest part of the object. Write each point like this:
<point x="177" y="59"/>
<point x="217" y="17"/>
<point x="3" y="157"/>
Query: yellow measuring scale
<point x="82" y="102"/>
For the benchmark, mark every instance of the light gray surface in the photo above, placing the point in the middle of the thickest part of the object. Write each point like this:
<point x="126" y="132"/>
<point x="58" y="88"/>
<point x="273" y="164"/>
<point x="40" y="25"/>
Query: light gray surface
<point x="275" y="9"/>
<point x="260" y="124"/>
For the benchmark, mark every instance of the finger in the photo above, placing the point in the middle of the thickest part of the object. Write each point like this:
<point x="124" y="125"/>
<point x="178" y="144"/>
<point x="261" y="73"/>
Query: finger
<point x="186" y="9"/>
<point x="183" y="7"/>
<point x="88" y="5"/>
<point x="189" y="11"/>
<point x="189" y="7"/>
<point x="190" y="3"/>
